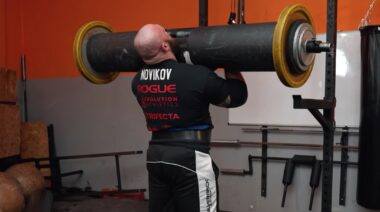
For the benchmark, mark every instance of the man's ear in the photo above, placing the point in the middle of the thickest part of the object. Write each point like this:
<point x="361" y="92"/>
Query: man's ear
<point x="165" y="46"/>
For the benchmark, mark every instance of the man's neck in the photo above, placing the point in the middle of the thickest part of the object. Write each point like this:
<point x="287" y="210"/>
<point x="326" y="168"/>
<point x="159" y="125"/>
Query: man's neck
<point x="160" y="58"/>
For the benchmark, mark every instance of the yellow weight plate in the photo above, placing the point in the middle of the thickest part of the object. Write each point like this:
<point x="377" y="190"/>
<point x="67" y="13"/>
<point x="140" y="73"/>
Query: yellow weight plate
<point x="80" y="57"/>
<point x="287" y="17"/>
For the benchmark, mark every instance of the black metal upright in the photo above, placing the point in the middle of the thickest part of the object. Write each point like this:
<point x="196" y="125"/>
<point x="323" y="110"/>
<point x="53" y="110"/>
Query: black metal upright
<point x="264" y="162"/>
<point x="203" y="12"/>
<point x="24" y="88"/>
<point x="56" y="181"/>
<point x="329" y="114"/>
<point x="327" y="119"/>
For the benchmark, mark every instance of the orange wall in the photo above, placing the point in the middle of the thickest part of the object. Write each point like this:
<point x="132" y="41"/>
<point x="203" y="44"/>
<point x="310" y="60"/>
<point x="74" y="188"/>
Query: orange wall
<point x="350" y="12"/>
<point x="44" y="30"/>
<point x="2" y="34"/>
<point x="50" y="27"/>
<point x="14" y="34"/>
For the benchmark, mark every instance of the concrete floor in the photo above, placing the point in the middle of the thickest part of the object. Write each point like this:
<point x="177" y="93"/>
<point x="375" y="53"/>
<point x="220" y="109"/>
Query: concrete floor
<point x="89" y="204"/>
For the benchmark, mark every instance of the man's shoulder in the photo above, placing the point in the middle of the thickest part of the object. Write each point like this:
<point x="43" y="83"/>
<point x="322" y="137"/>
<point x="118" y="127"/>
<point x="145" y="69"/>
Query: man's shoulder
<point x="193" y="67"/>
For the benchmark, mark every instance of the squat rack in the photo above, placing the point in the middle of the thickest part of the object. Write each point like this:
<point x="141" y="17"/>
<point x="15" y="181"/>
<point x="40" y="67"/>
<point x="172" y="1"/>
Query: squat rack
<point x="327" y="119"/>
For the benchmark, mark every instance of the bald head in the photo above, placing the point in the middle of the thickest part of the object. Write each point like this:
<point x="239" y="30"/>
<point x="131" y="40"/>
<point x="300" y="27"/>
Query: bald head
<point x="152" y="44"/>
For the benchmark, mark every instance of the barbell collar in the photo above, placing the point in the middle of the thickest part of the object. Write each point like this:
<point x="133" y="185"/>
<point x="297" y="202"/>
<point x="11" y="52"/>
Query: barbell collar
<point x="298" y="58"/>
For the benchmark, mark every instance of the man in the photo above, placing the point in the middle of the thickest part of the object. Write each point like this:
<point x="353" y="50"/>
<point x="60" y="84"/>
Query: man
<point x="175" y="99"/>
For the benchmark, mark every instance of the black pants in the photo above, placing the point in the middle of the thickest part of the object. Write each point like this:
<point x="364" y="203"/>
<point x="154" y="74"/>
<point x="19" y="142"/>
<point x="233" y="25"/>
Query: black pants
<point x="181" y="179"/>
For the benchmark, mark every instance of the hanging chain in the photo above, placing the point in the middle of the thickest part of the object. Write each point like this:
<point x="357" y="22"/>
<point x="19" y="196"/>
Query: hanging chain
<point x="367" y="18"/>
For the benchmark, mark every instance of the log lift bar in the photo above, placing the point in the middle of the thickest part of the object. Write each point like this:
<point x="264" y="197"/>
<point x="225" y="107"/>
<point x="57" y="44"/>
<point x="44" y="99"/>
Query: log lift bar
<point x="327" y="119"/>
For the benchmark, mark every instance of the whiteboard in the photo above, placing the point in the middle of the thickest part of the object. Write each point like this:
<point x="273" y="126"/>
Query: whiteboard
<point x="271" y="103"/>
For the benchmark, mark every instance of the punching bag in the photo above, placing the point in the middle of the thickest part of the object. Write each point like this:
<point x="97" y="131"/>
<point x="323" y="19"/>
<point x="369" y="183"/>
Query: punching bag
<point x="368" y="190"/>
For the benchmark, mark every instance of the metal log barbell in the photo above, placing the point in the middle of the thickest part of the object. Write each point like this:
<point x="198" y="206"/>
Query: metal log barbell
<point x="287" y="47"/>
